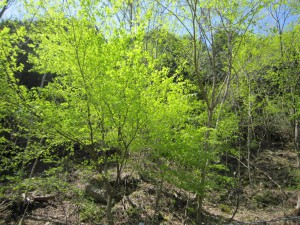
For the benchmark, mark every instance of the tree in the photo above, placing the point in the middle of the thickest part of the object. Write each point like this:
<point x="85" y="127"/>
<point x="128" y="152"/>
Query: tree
<point x="12" y="96"/>
<point x="105" y="90"/>
<point x="18" y="146"/>
<point x="203" y="22"/>
<point x="287" y="63"/>
<point x="264" y="84"/>
<point x="120" y="86"/>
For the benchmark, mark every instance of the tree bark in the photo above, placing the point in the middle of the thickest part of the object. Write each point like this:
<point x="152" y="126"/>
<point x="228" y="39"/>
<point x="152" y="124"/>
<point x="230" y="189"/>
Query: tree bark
<point x="109" y="193"/>
<point x="296" y="140"/>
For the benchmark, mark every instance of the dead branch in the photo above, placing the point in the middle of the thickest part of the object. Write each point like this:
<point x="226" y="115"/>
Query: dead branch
<point x="37" y="198"/>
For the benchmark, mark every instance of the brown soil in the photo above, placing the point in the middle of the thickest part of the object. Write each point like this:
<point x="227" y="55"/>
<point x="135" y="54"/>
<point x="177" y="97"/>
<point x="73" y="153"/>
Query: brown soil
<point x="268" y="198"/>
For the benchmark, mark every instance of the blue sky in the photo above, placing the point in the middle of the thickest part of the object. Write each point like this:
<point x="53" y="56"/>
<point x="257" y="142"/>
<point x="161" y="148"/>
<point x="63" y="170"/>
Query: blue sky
<point x="16" y="11"/>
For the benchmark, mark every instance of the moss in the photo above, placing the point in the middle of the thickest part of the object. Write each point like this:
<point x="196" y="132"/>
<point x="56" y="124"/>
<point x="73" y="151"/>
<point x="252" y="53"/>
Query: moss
<point x="225" y="208"/>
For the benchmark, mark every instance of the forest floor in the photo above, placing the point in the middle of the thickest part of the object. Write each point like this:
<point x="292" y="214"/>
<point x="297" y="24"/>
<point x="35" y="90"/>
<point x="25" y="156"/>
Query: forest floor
<point x="269" y="198"/>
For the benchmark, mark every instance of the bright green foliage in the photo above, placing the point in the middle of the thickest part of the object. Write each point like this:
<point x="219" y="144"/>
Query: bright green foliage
<point x="11" y="95"/>
<point x="20" y="135"/>
<point x="270" y="76"/>
<point x="106" y="91"/>
<point x="8" y="66"/>
<point x="187" y="99"/>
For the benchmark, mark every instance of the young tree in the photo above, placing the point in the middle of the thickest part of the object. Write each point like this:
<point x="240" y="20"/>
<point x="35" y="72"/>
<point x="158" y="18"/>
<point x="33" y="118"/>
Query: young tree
<point x="105" y="91"/>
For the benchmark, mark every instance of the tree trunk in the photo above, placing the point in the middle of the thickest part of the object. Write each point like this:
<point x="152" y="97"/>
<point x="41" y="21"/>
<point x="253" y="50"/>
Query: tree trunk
<point x="158" y="196"/>
<point x="296" y="140"/>
<point x="109" y="193"/>
<point x="249" y="132"/>
<point x="200" y="198"/>
<point x="109" y="215"/>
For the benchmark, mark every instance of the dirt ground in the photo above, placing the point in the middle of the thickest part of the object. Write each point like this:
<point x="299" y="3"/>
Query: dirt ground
<point x="268" y="198"/>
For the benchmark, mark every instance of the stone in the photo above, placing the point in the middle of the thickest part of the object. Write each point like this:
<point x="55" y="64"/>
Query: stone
<point x="95" y="189"/>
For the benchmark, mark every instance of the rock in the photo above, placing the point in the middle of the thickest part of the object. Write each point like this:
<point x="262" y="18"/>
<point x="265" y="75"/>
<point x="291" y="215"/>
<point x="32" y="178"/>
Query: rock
<point x="95" y="189"/>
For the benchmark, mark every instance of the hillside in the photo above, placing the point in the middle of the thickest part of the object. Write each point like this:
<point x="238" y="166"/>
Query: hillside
<point x="149" y="112"/>
<point x="269" y="198"/>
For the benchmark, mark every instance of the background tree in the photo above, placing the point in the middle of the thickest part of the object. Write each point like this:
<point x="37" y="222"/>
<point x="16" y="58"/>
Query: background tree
<point x="20" y="149"/>
<point x="203" y="21"/>
<point x="281" y="12"/>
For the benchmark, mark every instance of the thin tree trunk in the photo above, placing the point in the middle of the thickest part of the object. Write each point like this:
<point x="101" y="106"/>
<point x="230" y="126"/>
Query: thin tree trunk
<point x="21" y="222"/>
<point x="249" y="133"/>
<point x="158" y="196"/>
<point x="200" y="198"/>
<point x="296" y="140"/>
<point x="109" y="193"/>
<point x="2" y="11"/>
<point x="110" y="218"/>
<point x="43" y="80"/>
